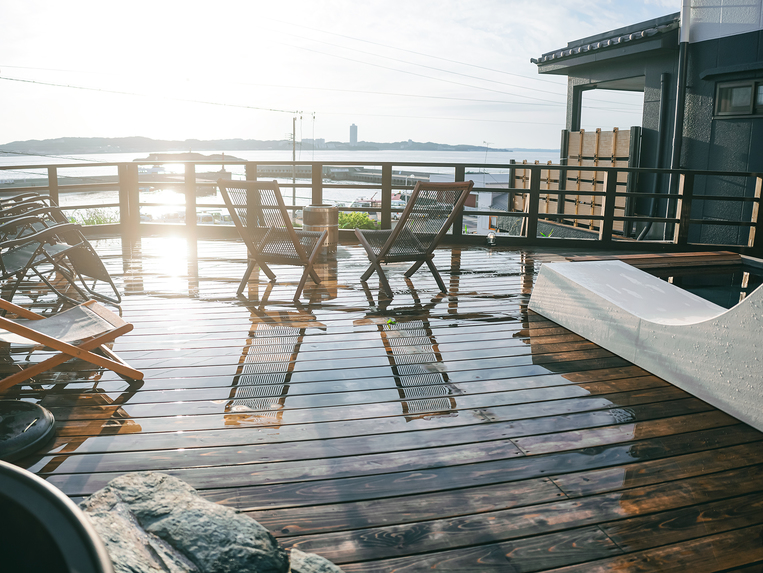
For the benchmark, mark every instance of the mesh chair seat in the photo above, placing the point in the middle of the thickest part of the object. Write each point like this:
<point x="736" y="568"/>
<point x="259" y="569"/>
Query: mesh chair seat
<point x="278" y="243"/>
<point x="407" y="243"/>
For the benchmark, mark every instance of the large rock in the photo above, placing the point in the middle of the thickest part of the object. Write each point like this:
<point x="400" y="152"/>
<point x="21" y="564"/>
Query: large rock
<point x="302" y="562"/>
<point x="153" y="522"/>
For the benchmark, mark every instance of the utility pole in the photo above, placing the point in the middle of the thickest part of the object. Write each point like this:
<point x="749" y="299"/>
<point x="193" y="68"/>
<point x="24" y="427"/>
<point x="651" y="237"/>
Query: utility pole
<point x="293" y="167"/>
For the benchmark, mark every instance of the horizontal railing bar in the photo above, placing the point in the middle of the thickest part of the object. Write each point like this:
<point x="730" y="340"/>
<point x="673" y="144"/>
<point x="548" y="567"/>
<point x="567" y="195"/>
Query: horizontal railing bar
<point x="722" y="223"/>
<point x="501" y="166"/>
<point x="88" y="206"/>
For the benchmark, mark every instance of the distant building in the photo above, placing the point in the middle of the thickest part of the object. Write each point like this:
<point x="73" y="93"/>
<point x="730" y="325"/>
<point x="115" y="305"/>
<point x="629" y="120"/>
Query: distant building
<point x="353" y="134"/>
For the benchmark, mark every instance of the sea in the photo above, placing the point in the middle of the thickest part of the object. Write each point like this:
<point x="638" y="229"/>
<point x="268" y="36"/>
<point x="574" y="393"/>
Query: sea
<point x="172" y="199"/>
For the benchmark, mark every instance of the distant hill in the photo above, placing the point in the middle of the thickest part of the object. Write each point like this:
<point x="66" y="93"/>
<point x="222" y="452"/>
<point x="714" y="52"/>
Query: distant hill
<point x="64" y="145"/>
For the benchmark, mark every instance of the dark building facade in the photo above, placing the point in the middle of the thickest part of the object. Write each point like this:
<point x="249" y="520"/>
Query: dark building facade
<point x="701" y="73"/>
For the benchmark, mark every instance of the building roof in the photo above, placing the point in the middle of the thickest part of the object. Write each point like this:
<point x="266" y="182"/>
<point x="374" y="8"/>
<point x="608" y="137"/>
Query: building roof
<point x="613" y="38"/>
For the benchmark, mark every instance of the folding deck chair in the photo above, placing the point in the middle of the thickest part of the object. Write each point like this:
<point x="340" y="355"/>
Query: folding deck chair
<point x="74" y="333"/>
<point x="260" y="215"/>
<point x="34" y="232"/>
<point x="427" y="216"/>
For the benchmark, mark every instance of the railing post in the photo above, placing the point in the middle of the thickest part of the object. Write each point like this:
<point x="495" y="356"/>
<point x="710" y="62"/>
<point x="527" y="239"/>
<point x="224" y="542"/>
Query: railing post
<point x="634" y="160"/>
<point x="251" y="171"/>
<point x="757" y="221"/>
<point x="564" y="148"/>
<point x="129" y="200"/>
<point x="53" y="184"/>
<point x="683" y="208"/>
<point x="608" y="208"/>
<point x="458" y="222"/>
<point x="190" y="199"/>
<point x="533" y="200"/>
<point x="317" y="198"/>
<point x="386" y="196"/>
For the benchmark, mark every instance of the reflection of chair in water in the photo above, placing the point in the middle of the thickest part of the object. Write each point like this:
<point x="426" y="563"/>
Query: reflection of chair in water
<point x="263" y="376"/>
<point x="420" y="376"/>
<point x="112" y="420"/>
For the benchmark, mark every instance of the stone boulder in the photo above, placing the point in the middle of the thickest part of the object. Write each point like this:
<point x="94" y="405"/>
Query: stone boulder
<point x="155" y="523"/>
<point x="302" y="562"/>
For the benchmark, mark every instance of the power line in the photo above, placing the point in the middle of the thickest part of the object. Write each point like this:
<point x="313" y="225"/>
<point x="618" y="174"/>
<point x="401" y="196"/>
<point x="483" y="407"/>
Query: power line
<point x="343" y="90"/>
<point x="292" y="25"/>
<point x="119" y="92"/>
<point x="430" y="67"/>
<point x="490" y="120"/>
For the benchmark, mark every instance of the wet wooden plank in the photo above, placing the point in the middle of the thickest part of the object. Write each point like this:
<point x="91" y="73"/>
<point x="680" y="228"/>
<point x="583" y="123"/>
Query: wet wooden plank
<point x="337" y="405"/>
<point x="687" y="523"/>
<point x="654" y="471"/>
<point x="259" y="432"/>
<point x="356" y="515"/>
<point x="656" y="260"/>
<point x="337" y="447"/>
<point x="273" y="496"/>
<point x="659" y="503"/>
<point x="718" y="552"/>
<point x="525" y="555"/>
<point x="577" y="439"/>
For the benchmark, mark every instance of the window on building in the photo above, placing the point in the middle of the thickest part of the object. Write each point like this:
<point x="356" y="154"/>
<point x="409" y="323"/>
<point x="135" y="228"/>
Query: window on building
<point x="739" y="98"/>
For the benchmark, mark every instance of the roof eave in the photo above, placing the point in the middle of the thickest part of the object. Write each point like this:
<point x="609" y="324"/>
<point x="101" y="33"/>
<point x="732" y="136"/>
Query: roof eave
<point x="562" y="65"/>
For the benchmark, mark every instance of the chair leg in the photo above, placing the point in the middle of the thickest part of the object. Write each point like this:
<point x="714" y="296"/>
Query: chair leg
<point x="374" y="266"/>
<point x="416" y="266"/>
<point x="245" y="279"/>
<point x="301" y="284"/>
<point x="383" y="282"/>
<point x="437" y="276"/>
<point x="249" y="269"/>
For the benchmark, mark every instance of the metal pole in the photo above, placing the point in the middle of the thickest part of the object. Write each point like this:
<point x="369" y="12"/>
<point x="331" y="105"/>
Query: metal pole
<point x="293" y="167"/>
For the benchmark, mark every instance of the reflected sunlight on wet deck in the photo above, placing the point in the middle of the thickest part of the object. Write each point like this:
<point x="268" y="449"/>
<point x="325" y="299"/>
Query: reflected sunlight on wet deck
<point x="452" y="432"/>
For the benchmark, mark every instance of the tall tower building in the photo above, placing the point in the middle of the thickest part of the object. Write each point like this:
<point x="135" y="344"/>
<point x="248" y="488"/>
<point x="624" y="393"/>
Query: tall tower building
<point x="353" y="134"/>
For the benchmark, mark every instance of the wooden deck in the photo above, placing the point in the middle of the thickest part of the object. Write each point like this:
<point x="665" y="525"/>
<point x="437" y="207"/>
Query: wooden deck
<point x="433" y="432"/>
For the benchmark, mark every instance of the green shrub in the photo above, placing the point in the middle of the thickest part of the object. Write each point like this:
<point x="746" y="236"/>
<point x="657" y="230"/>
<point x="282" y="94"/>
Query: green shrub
<point x="356" y="221"/>
<point x="100" y="216"/>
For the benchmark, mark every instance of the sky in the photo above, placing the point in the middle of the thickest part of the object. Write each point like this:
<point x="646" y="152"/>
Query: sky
<point x="446" y="71"/>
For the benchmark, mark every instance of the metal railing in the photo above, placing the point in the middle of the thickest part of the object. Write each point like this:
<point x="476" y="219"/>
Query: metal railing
<point x="611" y="205"/>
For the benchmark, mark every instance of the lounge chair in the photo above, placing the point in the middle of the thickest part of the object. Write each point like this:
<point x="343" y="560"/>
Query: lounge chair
<point x="73" y="333"/>
<point x="260" y="215"/>
<point x="37" y="237"/>
<point x="709" y="351"/>
<point x="428" y="215"/>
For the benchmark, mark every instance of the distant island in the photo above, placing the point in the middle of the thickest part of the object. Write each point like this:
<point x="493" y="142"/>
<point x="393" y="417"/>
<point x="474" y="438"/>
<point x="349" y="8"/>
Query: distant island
<point x="188" y="156"/>
<point x="63" y="145"/>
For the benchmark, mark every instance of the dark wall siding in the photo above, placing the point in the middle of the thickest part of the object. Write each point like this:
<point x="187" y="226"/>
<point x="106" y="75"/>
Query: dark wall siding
<point x="733" y="144"/>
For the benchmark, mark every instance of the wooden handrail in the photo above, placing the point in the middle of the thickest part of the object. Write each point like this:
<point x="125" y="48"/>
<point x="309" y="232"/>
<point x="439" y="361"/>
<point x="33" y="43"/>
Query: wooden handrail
<point x="608" y="222"/>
